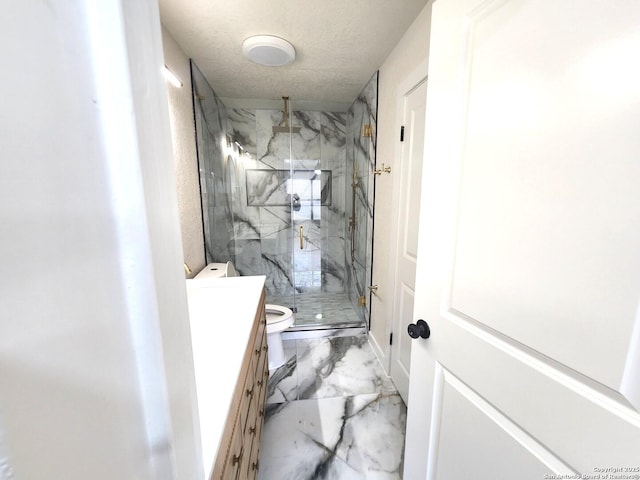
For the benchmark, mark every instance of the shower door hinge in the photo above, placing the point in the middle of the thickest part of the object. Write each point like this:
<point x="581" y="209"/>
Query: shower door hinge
<point x="367" y="131"/>
<point x="391" y="338"/>
<point x="362" y="301"/>
<point x="402" y="133"/>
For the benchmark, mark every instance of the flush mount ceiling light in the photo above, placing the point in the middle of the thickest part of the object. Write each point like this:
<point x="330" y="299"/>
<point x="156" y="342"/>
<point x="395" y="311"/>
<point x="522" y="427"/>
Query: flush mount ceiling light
<point x="268" y="50"/>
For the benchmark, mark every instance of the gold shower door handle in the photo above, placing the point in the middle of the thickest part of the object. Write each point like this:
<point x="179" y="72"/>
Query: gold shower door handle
<point x="301" y="237"/>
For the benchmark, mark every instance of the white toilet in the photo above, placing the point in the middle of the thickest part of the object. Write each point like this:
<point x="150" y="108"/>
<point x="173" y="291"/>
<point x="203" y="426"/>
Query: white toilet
<point x="278" y="318"/>
<point x="217" y="270"/>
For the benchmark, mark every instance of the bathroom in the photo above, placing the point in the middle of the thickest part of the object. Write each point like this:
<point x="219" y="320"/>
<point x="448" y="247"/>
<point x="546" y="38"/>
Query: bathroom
<point x="262" y="236"/>
<point x="103" y="210"/>
<point x="314" y="250"/>
<point x="346" y="250"/>
<point x="96" y="365"/>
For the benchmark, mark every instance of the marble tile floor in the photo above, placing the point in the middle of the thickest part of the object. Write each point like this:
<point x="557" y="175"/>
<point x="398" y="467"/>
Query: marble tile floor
<point x="332" y="413"/>
<point x="321" y="309"/>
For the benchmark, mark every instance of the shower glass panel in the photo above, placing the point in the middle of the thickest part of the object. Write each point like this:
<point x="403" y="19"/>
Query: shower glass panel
<point x="289" y="198"/>
<point x="360" y="165"/>
<point x="315" y="194"/>
<point x="329" y="281"/>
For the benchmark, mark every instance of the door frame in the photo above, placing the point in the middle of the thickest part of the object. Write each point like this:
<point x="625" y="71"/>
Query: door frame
<point x="411" y="81"/>
<point x="403" y="179"/>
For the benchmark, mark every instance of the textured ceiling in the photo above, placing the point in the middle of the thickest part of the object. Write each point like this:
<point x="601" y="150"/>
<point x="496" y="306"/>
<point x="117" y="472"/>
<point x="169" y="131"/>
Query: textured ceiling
<point x="339" y="45"/>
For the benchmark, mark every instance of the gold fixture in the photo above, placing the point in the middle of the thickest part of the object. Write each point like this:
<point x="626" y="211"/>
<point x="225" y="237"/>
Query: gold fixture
<point x="367" y="131"/>
<point x="362" y="301"/>
<point x="301" y="237"/>
<point x="382" y="170"/>
<point x="187" y="270"/>
<point x="284" y="127"/>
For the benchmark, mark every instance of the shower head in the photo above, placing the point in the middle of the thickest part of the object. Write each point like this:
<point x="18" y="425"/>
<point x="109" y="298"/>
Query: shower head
<point x="284" y="127"/>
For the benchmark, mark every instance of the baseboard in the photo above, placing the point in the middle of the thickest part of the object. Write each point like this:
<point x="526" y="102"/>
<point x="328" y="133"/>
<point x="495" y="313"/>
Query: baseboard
<point x="379" y="353"/>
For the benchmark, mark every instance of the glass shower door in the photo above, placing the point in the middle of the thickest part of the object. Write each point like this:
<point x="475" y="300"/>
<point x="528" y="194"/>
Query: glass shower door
<point x="318" y="217"/>
<point x="307" y="187"/>
<point x="309" y="190"/>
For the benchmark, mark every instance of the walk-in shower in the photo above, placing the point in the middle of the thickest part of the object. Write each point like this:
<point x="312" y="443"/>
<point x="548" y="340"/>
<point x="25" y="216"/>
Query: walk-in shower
<point x="285" y="193"/>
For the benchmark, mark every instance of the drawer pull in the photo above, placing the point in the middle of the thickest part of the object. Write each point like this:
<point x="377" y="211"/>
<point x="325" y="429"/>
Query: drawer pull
<point x="250" y="392"/>
<point x="255" y="465"/>
<point x="261" y="412"/>
<point x="265" y="348"/>
<point x="252" y="430"/>
<point x="236" y="458"/>
<point x="259" y="382"/>
<point x="257" y="351"/>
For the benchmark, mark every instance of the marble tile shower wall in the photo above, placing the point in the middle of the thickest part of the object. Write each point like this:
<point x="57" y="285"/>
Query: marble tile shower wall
<point x="266" y="226"/>
<point x="361" y="150"/>
<point x="247" y="215"/>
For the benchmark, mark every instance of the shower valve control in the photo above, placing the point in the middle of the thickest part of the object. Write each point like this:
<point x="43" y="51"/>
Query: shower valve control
<point x="419" y="329"/>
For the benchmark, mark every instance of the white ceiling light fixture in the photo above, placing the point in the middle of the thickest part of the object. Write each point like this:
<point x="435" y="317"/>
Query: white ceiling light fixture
<point x="268" y="50"/>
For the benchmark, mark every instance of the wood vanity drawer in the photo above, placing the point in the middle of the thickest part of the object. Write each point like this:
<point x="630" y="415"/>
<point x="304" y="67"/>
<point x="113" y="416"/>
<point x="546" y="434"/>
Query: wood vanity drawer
<point x="248" y="393"/>
<point x="259" y="354"/>
<point x="254" y="464"/>
<point x="239" y="461"/>
<point x="263" y="374"/>
<point x="260" y="350"/>
<point x="235" y="457"/>
<point x="261" y="364"/>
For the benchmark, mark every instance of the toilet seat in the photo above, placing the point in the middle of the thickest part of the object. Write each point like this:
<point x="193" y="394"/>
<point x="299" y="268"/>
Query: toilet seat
<point x="278" y="318"/>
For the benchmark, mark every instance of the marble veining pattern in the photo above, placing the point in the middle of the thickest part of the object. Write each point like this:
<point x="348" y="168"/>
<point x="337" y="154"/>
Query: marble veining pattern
<point x="362" y="151"/>
<point x="256" y="227"/>
<point x="263" y="211"/>
<point x="347" y="423"/>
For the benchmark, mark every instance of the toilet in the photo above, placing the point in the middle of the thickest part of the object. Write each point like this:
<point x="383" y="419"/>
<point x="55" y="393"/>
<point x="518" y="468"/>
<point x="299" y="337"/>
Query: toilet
<point x="217" y="270"/>
<point x="279" y="318"/>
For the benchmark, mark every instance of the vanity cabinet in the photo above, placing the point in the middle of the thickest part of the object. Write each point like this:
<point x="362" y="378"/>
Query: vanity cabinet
<point x="237" y="457"/>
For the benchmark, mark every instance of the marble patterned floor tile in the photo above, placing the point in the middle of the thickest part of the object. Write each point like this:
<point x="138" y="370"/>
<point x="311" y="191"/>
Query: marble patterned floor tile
<point x="354" y="437"/>
<point x="283" y="381"/>
<point x="337" y="367"/>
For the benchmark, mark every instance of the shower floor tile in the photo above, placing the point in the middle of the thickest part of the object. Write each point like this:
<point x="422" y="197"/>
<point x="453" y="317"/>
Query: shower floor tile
<point x="321" y="309"/>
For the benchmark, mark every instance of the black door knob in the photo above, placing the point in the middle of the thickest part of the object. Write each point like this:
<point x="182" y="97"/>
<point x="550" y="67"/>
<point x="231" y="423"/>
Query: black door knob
<point x="419" y="329"/>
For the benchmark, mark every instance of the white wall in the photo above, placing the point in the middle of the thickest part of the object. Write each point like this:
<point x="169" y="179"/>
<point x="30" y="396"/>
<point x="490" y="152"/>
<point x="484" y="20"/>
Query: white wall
<point x="96" y="377"/>
<point x="185" y="155"/>
<point x="407" y="63"/>
<point x="146" y="59"/>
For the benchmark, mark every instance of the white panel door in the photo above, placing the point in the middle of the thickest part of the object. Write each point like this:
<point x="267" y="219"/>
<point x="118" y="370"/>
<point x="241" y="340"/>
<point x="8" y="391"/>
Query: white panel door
<point x="529" y="245"/>
<point x="406" y="227"/>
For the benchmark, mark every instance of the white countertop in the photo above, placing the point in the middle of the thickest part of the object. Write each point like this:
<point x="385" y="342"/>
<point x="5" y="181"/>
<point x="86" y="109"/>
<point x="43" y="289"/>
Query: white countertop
<point x="221" y="311"/>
